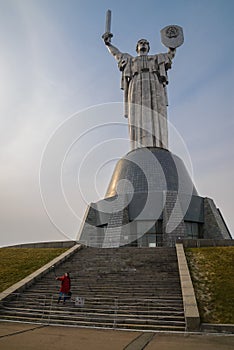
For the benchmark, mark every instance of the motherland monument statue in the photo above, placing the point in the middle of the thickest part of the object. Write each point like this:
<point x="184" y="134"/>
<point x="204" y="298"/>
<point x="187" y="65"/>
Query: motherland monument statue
<point x="151" y="199"/>
<point x="144" y="81"/>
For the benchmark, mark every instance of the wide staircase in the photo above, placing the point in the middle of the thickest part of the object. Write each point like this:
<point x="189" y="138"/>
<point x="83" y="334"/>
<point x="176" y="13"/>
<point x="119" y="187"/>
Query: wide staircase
<point x="127" y="288"/>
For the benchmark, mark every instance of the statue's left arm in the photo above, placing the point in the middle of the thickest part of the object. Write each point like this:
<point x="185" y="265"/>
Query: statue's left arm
<point x="165" y="63"/>
<point x="171" y="53"/>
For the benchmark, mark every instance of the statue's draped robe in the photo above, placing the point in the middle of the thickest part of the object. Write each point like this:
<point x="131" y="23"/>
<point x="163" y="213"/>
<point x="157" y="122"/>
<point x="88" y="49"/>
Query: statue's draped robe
<point x="144" y="80"/>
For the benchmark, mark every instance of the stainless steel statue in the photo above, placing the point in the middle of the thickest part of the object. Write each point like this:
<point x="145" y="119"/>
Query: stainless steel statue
<point x="144" y="80"/>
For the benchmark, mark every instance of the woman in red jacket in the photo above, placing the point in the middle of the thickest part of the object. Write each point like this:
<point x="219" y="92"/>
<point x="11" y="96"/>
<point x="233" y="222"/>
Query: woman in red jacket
<point x="65" y="286"/>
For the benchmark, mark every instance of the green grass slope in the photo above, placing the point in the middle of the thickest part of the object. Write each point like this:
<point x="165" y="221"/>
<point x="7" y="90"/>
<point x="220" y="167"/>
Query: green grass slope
<point x="212" y="272"/>
<point x="17" y="263"/>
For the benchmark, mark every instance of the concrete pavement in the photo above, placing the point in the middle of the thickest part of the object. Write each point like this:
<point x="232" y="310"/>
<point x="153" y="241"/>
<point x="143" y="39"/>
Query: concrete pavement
<point x="19" y="336"/>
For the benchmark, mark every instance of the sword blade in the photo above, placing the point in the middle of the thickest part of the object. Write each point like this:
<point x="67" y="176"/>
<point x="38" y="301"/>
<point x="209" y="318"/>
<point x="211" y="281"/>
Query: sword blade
<point x="108" y="21"/>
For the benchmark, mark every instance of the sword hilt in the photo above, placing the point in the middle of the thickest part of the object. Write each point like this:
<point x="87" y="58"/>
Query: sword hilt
<point x="107" y="37"/>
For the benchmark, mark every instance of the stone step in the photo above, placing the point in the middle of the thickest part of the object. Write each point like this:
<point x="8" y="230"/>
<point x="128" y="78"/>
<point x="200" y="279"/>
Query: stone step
<point x="115" y="289"/>
<point x="105" y="280"/>
<point x="77" y="312"/>
<point x="96" y="304"/>
<point x="152" y="280"/>
<point x="164" y="304"/>
<point x="102" y="301"/>
<point x="98" y="318"/>
<point x="90" y="309"/>
<point x="160" y="267"/>
<point x="123" y="295"/>
<point x="131" y="288"/>
<point x="91" y="324"/>
<point x="29" y="295"/>
<point x="137" y="303"/>
<point x="100" y="278"/>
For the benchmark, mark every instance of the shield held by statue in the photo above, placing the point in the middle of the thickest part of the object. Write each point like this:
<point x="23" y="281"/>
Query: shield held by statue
<point x="172" y="36"/>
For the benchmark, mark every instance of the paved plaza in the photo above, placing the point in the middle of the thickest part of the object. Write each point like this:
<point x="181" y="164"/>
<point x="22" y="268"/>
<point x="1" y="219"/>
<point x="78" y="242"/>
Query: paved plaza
<point x="17" y="336"/>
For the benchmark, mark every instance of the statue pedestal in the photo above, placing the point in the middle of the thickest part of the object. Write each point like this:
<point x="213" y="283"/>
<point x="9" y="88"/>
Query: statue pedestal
<point x="150" y="201"/>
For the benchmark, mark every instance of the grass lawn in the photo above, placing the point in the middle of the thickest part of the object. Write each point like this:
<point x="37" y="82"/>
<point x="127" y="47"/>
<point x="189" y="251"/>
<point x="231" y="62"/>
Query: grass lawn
<point x="212" y="272"/>
<point x="17" y="263"/>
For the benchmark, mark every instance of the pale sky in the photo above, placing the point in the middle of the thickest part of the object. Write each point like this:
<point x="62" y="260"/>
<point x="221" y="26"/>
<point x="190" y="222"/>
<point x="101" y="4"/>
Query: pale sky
<point x="62" y="128"/>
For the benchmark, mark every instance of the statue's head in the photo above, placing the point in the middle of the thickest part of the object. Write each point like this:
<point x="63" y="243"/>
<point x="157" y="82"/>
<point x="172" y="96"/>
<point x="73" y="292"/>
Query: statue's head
<point x="142" y="46"/>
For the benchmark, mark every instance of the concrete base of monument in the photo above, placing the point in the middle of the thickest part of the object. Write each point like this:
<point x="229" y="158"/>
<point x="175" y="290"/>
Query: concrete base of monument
<point x="151" y="201"/>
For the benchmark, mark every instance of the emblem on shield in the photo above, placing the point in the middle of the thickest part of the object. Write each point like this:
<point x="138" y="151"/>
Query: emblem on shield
<point x="172" y="36"/>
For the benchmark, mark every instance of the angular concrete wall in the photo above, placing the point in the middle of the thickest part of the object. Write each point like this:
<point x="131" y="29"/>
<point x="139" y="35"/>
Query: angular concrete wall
<point x="214" y="225"/>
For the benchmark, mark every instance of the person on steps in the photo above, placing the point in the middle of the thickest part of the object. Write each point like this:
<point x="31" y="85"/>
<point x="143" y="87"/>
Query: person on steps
<point x="65" y="287"/>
